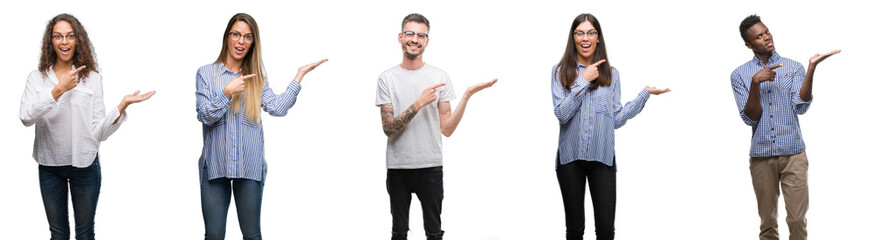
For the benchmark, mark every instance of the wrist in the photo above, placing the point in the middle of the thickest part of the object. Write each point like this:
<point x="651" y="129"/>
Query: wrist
<point x="122" y="106"/>
<point x="299" y="77"/>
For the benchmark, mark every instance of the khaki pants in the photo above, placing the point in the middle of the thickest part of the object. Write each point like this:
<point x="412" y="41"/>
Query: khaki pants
<point x="789" y="171"/>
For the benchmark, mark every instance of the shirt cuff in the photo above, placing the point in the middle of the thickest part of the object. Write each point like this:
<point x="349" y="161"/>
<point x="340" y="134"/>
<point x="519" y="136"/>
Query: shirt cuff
<point x="799" y="101"/>
<point x="644" y="95"/>
<point x="582" y="82"/>
<point x="114" y="114"/>
<point x="294" y="86"/>
<point x="222" y="100"/>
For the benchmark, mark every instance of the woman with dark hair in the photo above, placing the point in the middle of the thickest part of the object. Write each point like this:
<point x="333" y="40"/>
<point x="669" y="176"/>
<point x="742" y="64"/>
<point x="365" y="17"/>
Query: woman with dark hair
<point x="230" y="95"/>
<point x="64" y="99"/>
<point x="586" y="94"/>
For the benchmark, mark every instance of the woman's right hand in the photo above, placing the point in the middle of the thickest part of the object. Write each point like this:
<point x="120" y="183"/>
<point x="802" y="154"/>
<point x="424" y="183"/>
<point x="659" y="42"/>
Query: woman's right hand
<point x="590" y="74"/>
<point x="237" y="85"/>
<point x="67" y="82"/>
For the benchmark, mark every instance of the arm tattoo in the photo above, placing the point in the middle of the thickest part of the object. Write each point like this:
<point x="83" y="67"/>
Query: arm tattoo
<point x="393" y="125"/>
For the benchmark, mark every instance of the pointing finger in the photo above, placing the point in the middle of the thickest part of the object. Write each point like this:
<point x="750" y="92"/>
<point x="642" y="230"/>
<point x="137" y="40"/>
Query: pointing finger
<point x="775" y="66"/>
<point x="248" y="76"/>
<point x="77" y="70"/>
<point x="598" y="63"/>
<point x="436" y="86"/>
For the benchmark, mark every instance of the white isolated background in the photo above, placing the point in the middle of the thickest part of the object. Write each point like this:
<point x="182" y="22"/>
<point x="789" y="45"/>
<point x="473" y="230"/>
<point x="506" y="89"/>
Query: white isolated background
<point x="683" y="161"/>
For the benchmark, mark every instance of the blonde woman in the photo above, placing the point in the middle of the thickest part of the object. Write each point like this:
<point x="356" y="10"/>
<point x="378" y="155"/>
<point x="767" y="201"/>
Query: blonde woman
<point x="230" y="95"/>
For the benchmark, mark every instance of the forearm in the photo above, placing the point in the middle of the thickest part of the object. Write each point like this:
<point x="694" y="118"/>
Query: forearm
<point x="278" y="105"/>
<point x="210" y="111"/>
<point x="806" y="89"/>
<point x="121" y="107"/>
<point x="753" y="104"/>
<point x="56" y="93"/>
<point x="449" y="126"/>
<point x="630" y="109"/>
<point x="106" y="125"/>
<point x="392" y="125"/>
<point x="568" y="104"/>
<point x="34" y="105"/>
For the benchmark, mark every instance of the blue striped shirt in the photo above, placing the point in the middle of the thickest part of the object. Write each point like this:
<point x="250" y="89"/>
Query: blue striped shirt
<point x="589" y="118"/>
<point x="233" y="146"/>
<point x="777" y="132"/>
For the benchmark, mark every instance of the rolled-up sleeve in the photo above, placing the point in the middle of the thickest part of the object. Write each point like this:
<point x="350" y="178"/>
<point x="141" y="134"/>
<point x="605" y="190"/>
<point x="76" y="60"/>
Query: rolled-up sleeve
<point x="567" y="102"/>
<point x="741" y="95"/>
<point x="211" y="106"/>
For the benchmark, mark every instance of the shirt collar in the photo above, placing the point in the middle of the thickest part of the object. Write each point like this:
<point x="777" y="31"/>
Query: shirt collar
<point x="773" y="59"/>
<point x="224" y="69"/>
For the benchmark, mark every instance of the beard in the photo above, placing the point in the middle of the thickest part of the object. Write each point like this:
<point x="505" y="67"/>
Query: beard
<point x="412" y="55"/>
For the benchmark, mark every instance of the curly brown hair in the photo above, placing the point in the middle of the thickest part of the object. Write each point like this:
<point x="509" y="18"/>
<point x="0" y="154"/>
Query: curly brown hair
<point x="84" y="54"/>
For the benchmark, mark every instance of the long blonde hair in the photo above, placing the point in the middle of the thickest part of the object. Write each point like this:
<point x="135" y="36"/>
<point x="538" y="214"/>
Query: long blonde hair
<point x="251" y="64"/>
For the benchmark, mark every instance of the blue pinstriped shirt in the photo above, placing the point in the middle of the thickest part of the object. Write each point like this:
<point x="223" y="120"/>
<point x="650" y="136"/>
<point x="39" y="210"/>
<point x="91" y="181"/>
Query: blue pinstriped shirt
<point x="777" y="132"/>
<point x="589" y="118"/>
<point x="233" y="146"/>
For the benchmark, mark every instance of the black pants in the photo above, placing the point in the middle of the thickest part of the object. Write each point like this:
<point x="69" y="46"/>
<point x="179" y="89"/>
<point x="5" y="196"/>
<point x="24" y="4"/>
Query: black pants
<point x="601" y="179"/>
<point x="427" y="184"/>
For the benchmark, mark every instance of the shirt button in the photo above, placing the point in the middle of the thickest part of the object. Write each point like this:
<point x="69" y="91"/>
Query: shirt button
<point x="586" y="131"/>
<point x="234" y="132"/>
<point x="768" y="91"/>
<point x="234" y="145"/>
<point x="586" y="118"/>
<point x="587" y="106"/>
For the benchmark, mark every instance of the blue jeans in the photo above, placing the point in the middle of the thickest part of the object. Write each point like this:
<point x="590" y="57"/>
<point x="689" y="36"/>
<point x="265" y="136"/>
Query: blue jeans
<point x="215" y="200"/>
<point x="84" y="187"/>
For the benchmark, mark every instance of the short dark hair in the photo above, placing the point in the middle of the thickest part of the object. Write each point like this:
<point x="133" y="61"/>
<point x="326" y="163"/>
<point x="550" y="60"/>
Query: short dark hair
<point x="747" y="23"/>
<point x="415" y="17"/>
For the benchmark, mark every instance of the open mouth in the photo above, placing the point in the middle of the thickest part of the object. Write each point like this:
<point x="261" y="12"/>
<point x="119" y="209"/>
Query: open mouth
<point x="239" y="50"/>
<point x="413" y="46"/>
<point x="65" y="51"/>
<point x="585" y="47"/>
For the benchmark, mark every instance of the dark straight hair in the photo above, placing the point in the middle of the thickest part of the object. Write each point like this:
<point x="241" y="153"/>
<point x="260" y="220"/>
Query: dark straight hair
<point x="567" y="71"/>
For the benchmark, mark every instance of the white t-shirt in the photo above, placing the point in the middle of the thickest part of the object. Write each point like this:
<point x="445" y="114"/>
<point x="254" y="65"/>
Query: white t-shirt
<point x="419" y="145"/>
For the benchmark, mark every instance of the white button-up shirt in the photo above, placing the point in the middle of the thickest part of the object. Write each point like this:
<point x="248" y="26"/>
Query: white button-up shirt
<point x="69" y="130"/>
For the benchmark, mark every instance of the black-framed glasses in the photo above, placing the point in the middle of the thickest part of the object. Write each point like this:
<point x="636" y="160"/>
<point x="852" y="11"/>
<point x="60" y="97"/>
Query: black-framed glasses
<point x="410" y="34"/>
<point x="246" y="38"/>
<point x="591" y="34"/>
<point x="69" y="37"/>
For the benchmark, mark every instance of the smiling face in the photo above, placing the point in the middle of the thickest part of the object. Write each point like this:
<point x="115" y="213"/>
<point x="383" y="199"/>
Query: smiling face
<point x="64" y="41"/>
<point x="239" y="41"/>
<point x="586" y="39"/>
<point x="413" y="46"/>
<point x="759" y="39"/>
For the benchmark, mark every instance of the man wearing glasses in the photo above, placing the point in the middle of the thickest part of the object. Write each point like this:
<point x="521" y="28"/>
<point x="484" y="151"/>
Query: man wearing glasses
<point x="771" y="91"/>
<point x="414" y="152"/>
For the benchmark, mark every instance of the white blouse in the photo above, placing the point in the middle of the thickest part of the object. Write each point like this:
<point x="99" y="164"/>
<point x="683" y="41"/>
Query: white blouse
<point x="69" y="130"/>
